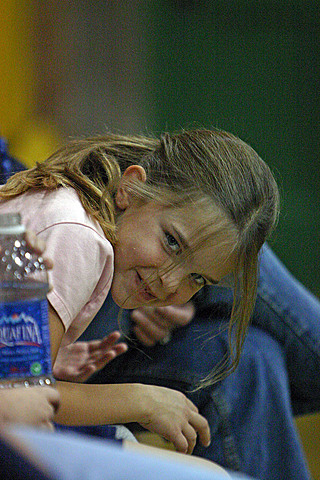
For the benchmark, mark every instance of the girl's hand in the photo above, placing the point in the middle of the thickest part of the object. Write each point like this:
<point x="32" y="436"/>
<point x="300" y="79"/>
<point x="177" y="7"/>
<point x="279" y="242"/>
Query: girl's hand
<point x="34" y="406"/>
<point x="77" y="362"/>
<point x="39" y="247"/>
<point x="173" y="416"/>
<point x="154" y="324"/>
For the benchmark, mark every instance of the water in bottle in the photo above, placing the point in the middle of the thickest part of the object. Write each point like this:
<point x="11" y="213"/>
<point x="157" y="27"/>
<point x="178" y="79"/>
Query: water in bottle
<point x="24" y="326"/>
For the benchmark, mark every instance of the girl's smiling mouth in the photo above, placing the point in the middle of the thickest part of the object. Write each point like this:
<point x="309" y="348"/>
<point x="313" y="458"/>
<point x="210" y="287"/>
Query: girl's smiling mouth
<point x="144" y="290"/>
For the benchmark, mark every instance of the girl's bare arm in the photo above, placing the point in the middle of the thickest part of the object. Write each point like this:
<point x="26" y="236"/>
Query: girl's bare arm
<point x="164" y="411"/>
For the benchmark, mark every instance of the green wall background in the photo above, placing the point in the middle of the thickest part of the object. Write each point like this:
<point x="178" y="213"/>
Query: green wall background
<point x="250" y="67"/>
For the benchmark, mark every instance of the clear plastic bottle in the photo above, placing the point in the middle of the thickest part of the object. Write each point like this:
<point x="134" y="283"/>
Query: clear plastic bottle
<point x="25" y="356"/>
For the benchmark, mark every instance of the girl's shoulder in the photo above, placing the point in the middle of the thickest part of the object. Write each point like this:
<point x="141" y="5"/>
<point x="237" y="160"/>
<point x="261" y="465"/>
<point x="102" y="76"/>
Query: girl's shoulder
<point x="63" y="206"/>
<point x="45" y="208"/>
<point x="60" y="205"/>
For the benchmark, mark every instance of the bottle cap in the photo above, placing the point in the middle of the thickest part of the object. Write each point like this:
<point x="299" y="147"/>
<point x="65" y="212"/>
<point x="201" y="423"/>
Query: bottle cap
<point x="10" y="224"/>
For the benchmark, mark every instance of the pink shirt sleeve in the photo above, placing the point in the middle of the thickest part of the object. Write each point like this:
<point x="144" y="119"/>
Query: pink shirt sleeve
<point x="81" y="276"/>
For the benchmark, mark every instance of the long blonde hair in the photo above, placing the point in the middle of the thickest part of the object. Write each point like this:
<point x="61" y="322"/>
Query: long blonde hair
<point x="182" y="166"/>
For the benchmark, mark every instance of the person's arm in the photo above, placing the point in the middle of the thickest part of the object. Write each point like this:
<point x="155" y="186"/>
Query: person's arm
<point x="164" y="411"/>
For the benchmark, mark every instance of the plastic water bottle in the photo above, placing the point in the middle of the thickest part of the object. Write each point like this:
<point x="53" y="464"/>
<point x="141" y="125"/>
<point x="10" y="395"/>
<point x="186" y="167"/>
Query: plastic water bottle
<point x="25" y="356"/>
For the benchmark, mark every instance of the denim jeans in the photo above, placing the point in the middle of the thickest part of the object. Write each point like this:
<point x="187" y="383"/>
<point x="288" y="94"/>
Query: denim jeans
<point x="250" y="412"/>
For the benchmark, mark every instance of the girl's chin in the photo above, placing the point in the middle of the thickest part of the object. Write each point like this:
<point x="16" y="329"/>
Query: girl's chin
<point x="128" y="291"/>
<point x="136" y="300"/>
<point x="124" y="301"/>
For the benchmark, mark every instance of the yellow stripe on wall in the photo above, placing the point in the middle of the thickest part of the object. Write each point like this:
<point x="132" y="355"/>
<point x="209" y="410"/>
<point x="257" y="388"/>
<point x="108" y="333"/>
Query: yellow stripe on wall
<point x="30" y="138"/>
<point x="17" y="76"/>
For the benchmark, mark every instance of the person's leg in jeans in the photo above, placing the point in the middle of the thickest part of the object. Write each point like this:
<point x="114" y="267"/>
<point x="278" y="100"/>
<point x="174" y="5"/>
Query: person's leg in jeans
<point x="249" y="413"/>
<point x="251" y="410"/>
<point x="291" y="314"/>
<point x="287" y="311"/>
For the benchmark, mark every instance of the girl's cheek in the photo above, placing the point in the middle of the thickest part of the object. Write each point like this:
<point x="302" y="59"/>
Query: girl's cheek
<point x="155" y="257"/>
<point x="183" y="295"/>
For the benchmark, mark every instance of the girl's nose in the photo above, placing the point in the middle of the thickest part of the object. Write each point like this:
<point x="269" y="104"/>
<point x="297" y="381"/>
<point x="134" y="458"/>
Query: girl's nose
<point x="171" y="278"/>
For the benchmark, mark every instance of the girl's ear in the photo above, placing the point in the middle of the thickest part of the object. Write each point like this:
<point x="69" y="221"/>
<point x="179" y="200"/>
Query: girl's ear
<point x="132" y="173"/>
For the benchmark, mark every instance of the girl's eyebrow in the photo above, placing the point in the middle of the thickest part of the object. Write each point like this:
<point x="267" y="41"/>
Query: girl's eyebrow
<point x="185" y="244"/>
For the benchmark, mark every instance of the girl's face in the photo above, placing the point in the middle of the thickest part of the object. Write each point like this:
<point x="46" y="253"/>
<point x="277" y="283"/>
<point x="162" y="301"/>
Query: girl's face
<point x="150" y="239"/>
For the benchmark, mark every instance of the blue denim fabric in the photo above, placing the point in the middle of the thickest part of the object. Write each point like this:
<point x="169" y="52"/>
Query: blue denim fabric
<point x="251" y="412"/>
<point x="291" y="314"/>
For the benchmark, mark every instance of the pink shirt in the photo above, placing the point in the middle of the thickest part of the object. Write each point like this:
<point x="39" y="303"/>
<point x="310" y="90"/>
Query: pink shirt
<point x="83" y="258"/>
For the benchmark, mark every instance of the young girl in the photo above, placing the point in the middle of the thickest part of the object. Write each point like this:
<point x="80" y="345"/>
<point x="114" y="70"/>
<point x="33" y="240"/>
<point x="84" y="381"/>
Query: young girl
<point x="153" y="220"/>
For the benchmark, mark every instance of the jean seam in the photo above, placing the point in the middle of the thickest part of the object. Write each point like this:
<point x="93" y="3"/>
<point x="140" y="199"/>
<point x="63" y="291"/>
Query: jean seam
<point x="229" y="445"/>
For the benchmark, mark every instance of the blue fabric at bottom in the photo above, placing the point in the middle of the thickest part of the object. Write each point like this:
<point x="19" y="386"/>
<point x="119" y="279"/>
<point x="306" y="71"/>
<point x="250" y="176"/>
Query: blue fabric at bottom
<point x="75" y="457"/>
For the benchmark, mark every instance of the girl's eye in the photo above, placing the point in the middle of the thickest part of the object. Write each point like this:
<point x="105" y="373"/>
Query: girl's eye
<point x="172" y="243"/>
<point x="198" y="279"/>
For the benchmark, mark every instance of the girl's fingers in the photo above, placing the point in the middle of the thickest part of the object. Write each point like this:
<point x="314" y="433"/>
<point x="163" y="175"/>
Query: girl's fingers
<point x="111" y="338"/>
<point x="191" y="437"/>
<point x="148" y="332"/>
<point x="191" y="405"/>
<point x="201" y="426"/>
<point x="144" y="337"/>
<point x="113" y="353"/>
<point x="106" y="342"/>
<point x="149" y="319"/>
<point x="120" y="348"/>
<point x="181" y="443"/>
<point x="99" y="355"/>
<point x="99" y="348"/>
<point x="38" y="246"/>
<point x="187" y="439"/>
<point x="99" y="359"/>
